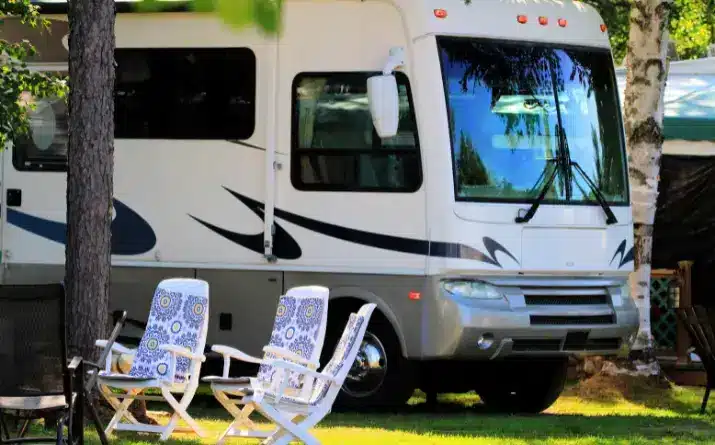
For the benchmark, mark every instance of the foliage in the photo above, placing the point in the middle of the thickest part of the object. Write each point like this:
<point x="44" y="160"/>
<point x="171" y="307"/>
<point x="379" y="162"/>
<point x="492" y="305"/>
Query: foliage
<point x="20" y="86"/>
<point x="265" y="14"/>
<point x="692" y="25"/>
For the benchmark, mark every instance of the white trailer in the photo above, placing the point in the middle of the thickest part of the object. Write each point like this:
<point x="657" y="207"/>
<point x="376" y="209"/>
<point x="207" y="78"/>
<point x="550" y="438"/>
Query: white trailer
<point x="255" y="162"/>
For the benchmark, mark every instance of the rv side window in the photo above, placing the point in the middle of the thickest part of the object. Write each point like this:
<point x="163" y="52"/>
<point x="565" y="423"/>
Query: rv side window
<point x="185" y="93"/>
<point x="44" y="147"/>
<point x="335" y="146"/>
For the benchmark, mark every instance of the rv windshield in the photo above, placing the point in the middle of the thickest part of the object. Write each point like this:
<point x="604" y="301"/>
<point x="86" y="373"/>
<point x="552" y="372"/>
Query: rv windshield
<point x="502" y="101"/>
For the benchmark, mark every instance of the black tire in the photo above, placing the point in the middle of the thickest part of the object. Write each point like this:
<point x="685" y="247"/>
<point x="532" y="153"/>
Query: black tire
<point x="529" y="390"/>
<point x="396" y="385"/>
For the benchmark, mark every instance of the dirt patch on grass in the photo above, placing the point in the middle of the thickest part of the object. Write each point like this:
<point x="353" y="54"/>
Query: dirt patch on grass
<point x="607" y="388"/>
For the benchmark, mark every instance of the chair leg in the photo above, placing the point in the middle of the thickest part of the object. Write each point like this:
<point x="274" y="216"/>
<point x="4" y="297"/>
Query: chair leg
<point x="3" y="428"/>
<point x="60" y="430"/>
<point x="287" y="429"/>
<point x="180" y="413"/>
<point x="705" y="400"/>
<point x="95" y="420"/>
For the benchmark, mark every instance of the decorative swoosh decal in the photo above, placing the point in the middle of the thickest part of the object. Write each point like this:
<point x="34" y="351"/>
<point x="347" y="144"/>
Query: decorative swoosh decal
<point x="626" y="257"/>
<point x="131" y="234"/>
<point x="493" y="247"/>
<point x="284" y="246"/>
<point x="287" y="248"/>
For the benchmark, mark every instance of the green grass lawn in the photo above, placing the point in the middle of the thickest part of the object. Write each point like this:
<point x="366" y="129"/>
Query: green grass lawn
<point x="646" y="416"/>
<point x="594" y="415"/>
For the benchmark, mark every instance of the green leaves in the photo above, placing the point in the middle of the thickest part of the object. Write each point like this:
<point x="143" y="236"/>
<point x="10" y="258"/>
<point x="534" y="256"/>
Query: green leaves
<point x="264" y="14"/>
<point x="19" y="86"/>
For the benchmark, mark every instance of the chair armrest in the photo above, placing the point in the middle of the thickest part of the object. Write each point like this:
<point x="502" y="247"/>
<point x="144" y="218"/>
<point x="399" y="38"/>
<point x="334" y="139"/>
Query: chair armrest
<point x="184" y="352"/>
<point x="116" y="347"/>
<point x="74" y="364"/>
<point x="294" y="367"/>
<point x="290" y="355"/>
<point x="227" y="351"/>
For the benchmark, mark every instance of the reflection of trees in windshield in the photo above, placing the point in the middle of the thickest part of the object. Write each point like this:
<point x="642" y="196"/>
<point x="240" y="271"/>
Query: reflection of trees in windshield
<point x="470" y="168"/>
<point x="518" y="84"/>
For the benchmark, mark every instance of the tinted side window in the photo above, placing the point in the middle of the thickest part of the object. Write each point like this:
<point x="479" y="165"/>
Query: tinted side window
<point x="335" y="146"/>
<point x="160" y="93"/>
<point x="185" y="93"/>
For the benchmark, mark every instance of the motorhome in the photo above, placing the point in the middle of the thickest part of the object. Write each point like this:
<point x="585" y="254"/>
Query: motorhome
<point x="460" y="165"/>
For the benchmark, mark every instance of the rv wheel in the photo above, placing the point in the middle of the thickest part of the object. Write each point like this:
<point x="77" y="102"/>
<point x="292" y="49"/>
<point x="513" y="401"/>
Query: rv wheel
<point x="380" y="376"/>
<point x="513" y="393"/>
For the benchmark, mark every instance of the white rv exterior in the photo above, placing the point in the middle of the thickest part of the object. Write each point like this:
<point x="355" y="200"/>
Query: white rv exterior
<point x="251" y="161"/>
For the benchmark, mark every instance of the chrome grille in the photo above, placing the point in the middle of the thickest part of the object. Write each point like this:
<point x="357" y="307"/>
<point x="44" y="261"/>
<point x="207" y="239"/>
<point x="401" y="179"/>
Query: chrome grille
<point x="572" y="305"/>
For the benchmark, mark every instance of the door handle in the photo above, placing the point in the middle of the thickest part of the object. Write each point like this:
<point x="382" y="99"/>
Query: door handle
<point x="14" y="197"/>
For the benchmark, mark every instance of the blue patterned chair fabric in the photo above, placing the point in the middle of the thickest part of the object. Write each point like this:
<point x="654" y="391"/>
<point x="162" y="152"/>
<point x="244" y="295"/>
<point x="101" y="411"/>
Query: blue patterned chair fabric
<point x="297" y="328"/>
<point x="175" y="319"/>
<point x="340" y="356"/>
<point x="338" y="362"/>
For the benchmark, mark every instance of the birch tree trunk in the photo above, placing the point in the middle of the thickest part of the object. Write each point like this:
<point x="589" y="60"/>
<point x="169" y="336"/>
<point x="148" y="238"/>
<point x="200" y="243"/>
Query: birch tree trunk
<point x="643" y="103"/>
<point x="89" y="176"/>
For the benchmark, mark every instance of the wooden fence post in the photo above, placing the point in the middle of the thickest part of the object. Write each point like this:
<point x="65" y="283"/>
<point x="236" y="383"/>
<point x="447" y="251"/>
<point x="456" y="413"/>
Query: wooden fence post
<point x="686" y="300"/>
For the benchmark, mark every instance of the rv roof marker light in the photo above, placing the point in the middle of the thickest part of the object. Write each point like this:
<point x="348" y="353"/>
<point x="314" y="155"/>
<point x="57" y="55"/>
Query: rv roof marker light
<point x="522" y="19"/>
<point x="543" y="21"/>
<point x="604" y="28"/>
<point x="440" y="13"/>
<point x="414" y="296"/>
<point x="563" y="23"/>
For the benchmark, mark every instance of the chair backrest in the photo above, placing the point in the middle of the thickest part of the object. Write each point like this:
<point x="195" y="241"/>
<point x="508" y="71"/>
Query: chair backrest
<point x="299" y="326"/>
<point x="179" y="316"/>
<point x="344" y="356"/>
<point x="33" y="336"/>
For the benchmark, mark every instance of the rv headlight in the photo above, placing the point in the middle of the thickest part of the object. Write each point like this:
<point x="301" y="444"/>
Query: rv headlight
<point x="477" y="290"/>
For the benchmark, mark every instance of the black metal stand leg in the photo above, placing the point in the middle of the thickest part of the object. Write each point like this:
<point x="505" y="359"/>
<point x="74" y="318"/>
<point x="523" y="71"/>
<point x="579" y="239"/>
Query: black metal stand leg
<point x="705" y="400"/>
<point x="3" y="428"/>
<point x="60" y="427"/>
<point x="95" y="419"/>
<point x="77" y="424"/>
<point x="23" y="430"/>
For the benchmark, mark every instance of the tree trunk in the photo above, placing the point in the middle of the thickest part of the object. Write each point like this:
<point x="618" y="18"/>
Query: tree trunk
<point x="643" y="103"/>
<point x="89" y="177"/>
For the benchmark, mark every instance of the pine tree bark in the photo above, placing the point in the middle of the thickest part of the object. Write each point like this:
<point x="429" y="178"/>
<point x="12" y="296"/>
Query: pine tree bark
<point x="90" y="171"/>
<point x="643" y="103"/>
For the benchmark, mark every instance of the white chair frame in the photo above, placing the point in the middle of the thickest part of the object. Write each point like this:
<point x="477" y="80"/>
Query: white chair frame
<point x="134" y="387"/>
<point x="242" y="425"/>
<point x="295" y="416"/>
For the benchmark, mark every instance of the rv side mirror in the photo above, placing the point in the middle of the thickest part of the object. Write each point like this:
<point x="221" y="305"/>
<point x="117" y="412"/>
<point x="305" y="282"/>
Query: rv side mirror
<point x="384" y="104"/>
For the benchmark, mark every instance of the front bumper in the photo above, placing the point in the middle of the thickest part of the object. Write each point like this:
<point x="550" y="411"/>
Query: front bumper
<point x="544" y="318"/>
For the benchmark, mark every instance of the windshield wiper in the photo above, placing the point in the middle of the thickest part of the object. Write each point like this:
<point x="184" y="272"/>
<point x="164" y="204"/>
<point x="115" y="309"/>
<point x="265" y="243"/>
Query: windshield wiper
<point x="539" y="199"/>
<point x="610" y="217"/>
<point x="564" y="161"/>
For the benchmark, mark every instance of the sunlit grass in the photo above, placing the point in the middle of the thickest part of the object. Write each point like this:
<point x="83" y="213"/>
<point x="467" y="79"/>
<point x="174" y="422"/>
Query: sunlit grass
<point x="648" y="417"/>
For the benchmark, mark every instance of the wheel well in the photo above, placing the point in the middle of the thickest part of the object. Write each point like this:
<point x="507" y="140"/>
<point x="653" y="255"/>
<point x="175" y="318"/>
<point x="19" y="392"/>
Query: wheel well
<point x="342" y="306"/>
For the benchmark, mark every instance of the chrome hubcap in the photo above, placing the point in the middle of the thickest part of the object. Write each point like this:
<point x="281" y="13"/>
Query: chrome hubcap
<point x="368" y="372"/>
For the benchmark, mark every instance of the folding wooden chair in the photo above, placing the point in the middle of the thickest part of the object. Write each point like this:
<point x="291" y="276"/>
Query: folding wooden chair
<point x="295" y="416"/>
<point x="298" y="336"/>
<point x="168" y="358"/>
<point x="36" y="380"/>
